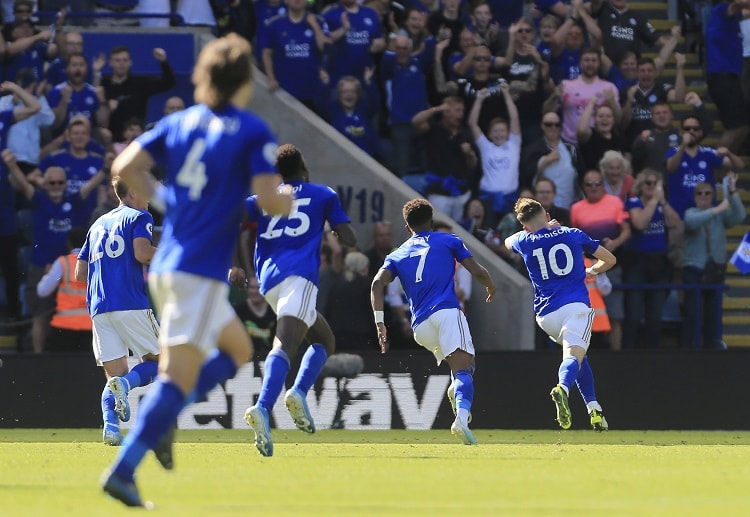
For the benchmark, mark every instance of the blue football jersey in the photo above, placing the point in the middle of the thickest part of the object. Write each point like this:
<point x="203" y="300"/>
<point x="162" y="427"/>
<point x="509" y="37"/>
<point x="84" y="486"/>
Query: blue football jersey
<point x="209" y="158"/>
<point x="289" y="246"/>
<point x="554" y="259"/>
<point x="116" y="279"/>
<point x="426" y="266"/>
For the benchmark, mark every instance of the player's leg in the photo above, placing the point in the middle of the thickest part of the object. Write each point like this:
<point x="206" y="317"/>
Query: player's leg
<point x="571" y="327"/>
<point x="323" y="345"/>
<point x="585" y="383"/>
<point x="192" y="308"/>
<point x="293" y="301"/>
<point x="111" y="354"/>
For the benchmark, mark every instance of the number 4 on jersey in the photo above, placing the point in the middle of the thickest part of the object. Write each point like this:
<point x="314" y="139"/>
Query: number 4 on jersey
<point x="193" y="172"/>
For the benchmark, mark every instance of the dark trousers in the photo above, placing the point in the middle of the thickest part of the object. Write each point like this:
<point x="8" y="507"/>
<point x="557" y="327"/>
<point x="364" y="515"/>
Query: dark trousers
<point x="644" y="305"/>
<point x="11" y="273"/>
<point x="702" y="309"/>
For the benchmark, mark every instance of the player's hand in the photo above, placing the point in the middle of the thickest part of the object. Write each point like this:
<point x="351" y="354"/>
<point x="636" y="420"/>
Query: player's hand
<point x="491" y="290"/>
<point x="8" y="157"/>
<point x="382" y="337"/>
<point x="237" y="277"/>
<point x="645" y="134"/>
<point x="98" y="63"/>
<point x="693" y="99"/>
<point x="272" y="84"/>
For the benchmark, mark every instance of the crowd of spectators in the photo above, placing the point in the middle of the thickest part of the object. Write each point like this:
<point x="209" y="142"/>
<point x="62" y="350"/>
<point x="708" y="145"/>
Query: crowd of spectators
<point x="470" y="103"/>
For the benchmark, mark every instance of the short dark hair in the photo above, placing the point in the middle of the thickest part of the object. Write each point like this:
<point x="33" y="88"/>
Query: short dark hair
<point x="441" y="225"/>
<point x="223" y="67"/>
<point x="289" y="161"/>
<point x="417" y="212"/>
<point x="76" y="237"/>
<point x="134" y="121"/>
<point x="646" y="61"/>
<point x="119" y="49"/>
<point x="591" y="50"/>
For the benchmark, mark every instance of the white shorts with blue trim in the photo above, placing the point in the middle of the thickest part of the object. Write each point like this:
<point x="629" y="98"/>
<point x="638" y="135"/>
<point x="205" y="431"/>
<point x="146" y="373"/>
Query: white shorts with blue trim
<point x="294" y="296"/>
<point x="570" y="325"/>
<point x="116" y="332"/>
<point x="444" y="332"/>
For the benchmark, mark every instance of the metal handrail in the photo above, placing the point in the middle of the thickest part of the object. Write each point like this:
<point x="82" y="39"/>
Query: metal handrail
<point x="698" y="301"/>
<point x="180" y="21"/>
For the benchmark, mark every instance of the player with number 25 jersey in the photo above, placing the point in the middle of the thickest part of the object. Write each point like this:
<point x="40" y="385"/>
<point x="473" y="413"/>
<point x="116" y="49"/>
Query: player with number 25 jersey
<point x="290" y="246"/>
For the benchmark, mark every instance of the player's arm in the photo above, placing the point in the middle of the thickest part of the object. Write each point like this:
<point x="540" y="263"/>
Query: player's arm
<point x="479" y="272"/>
<point x="605" y="261"/>
<point x="19" y="179"/>
<point x="82" y="270"/>
<point x="510" y="240"/>
<point x="382" y="278"/>
<point x="132" y="165"/>
<point x="30" y="106"/>
<point x="273" y="200"/>
<point x="144" y="250"/>
<point x="346" y="234"/>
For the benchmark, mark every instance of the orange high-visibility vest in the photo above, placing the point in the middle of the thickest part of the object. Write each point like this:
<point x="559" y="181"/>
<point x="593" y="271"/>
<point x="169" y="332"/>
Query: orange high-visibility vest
<point x="71" y="312"/>
<point x="601" y="320"/>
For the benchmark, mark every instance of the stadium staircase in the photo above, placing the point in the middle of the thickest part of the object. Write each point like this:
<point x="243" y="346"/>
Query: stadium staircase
<point x="736" y="302"/>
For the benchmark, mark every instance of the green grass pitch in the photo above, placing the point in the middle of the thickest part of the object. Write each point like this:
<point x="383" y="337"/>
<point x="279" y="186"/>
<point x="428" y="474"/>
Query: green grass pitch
<point x="56" y="472"/>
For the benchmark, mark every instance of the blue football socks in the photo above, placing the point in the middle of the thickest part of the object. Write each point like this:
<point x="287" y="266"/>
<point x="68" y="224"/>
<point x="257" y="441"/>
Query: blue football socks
<point x="218" y="367"/>
<point x="568" y="372"/>
<point x="108" y="408"/>
<point x="310" y="367"/>
<point x="585" y="381"/>
<point x="142" y="374"/>
<point x="276" y="369"/>
<point x="158" y="412"/>
<point x="464" y="388"/>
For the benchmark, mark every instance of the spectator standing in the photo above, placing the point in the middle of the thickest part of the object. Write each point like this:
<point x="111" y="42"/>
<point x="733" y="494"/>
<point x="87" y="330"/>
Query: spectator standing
<point x="258" y="317"/>
<point x="645" y="260"/>
<point x="704" y="252"/>
<point x="71" y="323"/>
<point x="552" y="158"/>
<point x="602" y="216"/>
<point x="77" y="97"/>
<point x="9" y="115"/>
<point x="691" y="163"/>
<point x="640" y="98"/>
<point x="356" y="35"/>
<point x="127" y="94"/>
<point x="618" y="176"/>
<point x="293" y="52"/>
<point x="348" y="308"/>
<point x="72" y="43"/>
<point x="404" y="81"/>
<point x="54" y="213"/>
<point x="650" y="147"/>
<point x="724" y="70"/>
<point x="595" y="141"/>
<point x="24" y="136"/>
<point x="451" y="159"/>
<point x="622" y="29"/>
<point x="26" y="48"/>
<point x="500" y="156"/>
<point x="574" y="95"/>
<point x="545" y="192"/>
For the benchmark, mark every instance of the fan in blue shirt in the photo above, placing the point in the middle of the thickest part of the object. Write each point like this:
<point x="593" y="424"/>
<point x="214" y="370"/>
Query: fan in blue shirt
<point x="426" y="266"/>
<point x="287" y="260"/>
<point x="553" y="255"/>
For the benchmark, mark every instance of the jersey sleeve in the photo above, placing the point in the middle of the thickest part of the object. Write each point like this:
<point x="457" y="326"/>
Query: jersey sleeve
<point x="83" y="254"/>
<point x="143" y="226"/>
<point x="263" y="151"/>
<point x="589" y="245"/>
<point x="335" y="212"/>
<point x="253" y="211"/>
<point x="153" y="141"/>
<point x="460" y="251"/>
<point x="390" y="265"/>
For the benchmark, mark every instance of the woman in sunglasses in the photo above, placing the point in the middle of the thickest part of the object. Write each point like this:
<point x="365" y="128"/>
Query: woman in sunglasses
<point x="645" y="259"/>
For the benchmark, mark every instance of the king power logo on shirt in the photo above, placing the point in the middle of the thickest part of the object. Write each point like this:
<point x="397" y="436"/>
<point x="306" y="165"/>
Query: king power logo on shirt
<point x="366" y="402"/>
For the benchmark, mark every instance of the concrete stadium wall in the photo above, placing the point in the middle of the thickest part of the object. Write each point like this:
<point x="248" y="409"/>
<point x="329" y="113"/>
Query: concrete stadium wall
<point x="649" y="389"/>
<point x="370" y="193"/>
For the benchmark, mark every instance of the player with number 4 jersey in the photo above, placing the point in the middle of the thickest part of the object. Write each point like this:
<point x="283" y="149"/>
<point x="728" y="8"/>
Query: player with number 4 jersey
<point x="287" y="259"/>
<point x="213" y="153"/>
<point x="426" y="264"/>
<point x="554" y="255"/>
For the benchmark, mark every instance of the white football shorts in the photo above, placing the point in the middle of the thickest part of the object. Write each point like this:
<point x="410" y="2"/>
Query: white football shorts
<point x="116" y="332"/>
<point x="569" y="325"/>
<point x="294" y="296"/>
<point x="444" y="332"/>
<point x="193" y="309"/>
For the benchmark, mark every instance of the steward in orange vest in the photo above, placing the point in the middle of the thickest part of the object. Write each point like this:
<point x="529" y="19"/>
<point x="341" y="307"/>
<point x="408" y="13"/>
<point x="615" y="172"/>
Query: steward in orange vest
<point x="601" y="320"/>
<point x="71" y="323"/>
